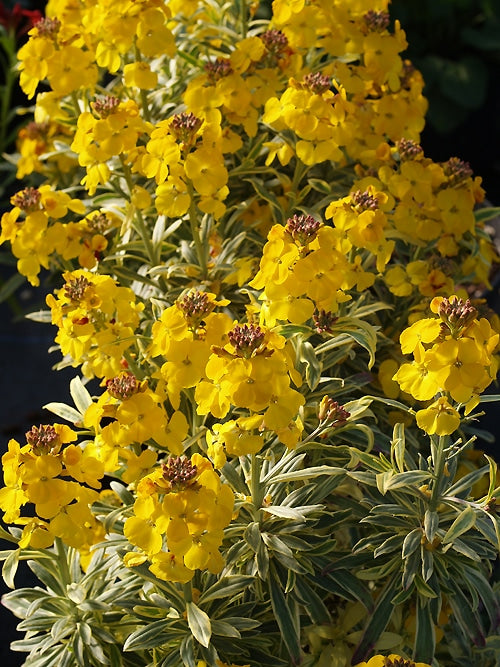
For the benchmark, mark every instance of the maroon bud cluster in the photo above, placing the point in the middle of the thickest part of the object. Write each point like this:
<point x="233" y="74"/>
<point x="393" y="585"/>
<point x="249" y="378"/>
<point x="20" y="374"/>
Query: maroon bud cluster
<point x="376" y="21"/>
<point x="184" y="126"/>
<point x="324" y="321"/>
<point x="28" y="200"/>
<point x="74" y="290"/>
<point x="363" y="200"/>
<point x="331" y="412"/>
<point x="48" y="27"/>
<point x="42" y="439"/>
<point x="179" y="472"/>
<point x="218" y="69"/>
<point x="195" y="306"/>
<point x="275" y="41"/>
<point x="99" y="223"/>
<point x="246" y="339"/>
<point x="398" y="662"/>
<point x="36" y="130"/>
<point x="123" y="386"/>
<point x="302" y="228"/>
<point x="456" y="315"/>
<point x="409" y="149"/>
<point x="105" y="106"/>
<point x="457" y="170"/>
<point x="317" y="83"/>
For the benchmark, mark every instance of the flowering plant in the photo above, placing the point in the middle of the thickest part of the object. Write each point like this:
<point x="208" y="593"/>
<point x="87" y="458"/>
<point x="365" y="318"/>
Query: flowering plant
<point x="271" y="297"/>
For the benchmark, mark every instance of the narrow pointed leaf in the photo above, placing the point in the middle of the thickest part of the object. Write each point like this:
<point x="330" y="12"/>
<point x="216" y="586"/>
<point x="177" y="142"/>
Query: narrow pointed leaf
<point x="199" y="624"/>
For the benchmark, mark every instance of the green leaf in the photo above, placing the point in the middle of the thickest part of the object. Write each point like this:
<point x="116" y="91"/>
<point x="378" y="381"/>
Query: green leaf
<point x="409" y="479"/>
<point x="225" y="629"/>
<point x="493" y="475"/>
<point x="484" y="215"/>
<point x="186" y="653"/>
<point x="319" y="185"/>
<point x="9" y="568"/>
<point x="431" y="524"/>
<point x="464" y="522"/>
<point x="393" y="543"/>
<point x="468" y="620"/>
<point x="285" y="619"/>
<point x="398" y="447"/>
<point x="284" y="512"/>
<point x="199" y="624"/>
<point x="5" y="535"/>
<point x="425" y="639"/>
<point x="229" y="586"/>
<point x="427" y="558"/>
<point x="149" y="636"/>
<point x="252" y="536"/>
<point x="362" y="332"/>
<point x="345" y="584"/>
<point x="308" y="473"/>
<point x="307" y="355"/>
<point x="80" y="395"/>
<point x="66" y="412"/>
<point x="424" y="589"/>
<point x="122" y="492"/>
<point x="411" y="542"/>
<point x="378" y="620"/>
<point x="262" y="561"/>
<point x="43" y="316"/>
<point x="411" y="566"/>
<point x="314" y="605"/>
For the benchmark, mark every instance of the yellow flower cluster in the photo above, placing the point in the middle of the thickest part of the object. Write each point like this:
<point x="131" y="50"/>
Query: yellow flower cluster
<point x="453" y="356"/>
<point x="96" y="319"/>
<point x="302" y="269"/>
<point x="179" y="516"/>
<point x="133" y="415"/>
<point x="253" y="371"/>
<point x="36" y="230"/>
<point x="55" y="477"/>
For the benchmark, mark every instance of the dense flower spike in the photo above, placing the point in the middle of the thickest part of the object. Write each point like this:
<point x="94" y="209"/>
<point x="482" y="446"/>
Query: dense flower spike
<point x="243" y="236"/>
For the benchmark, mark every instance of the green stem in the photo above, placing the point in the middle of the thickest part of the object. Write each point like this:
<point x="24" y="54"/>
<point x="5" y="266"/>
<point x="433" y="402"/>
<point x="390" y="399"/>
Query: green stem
<point x="188" y="592"/>
<point x="62" y="560"/>
<point x="140" y="224"/>
<point x="256" y="489"/>
<point x="244" y="18"/>
<point x="439" y="461"/>
<point x="195" y="233"/>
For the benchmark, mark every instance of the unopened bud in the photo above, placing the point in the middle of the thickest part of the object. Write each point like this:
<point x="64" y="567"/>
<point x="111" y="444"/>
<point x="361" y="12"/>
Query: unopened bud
<point x="246" y="339"/>
<point x="28" y="200"/>
<point x="302" y="228"/>
<point x="317" y="83"/>
<point x="123" y="386"/>
<point x="409" y="149"/>
<point x="179" y="472"/>
<point x="43" y="439"/>
<point x="333" y="413"/>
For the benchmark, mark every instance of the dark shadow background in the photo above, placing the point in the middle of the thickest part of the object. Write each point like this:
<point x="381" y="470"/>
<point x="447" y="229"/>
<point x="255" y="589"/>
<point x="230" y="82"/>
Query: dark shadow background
<point x="455" y="43"/>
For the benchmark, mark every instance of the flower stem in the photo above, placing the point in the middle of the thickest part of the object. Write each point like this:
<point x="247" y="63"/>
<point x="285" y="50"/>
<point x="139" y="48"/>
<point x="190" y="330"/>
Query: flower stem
<point x="256" y="489"/>
<point x="62" y="560"/>
<point x="439" y="461"/>
<point x="195" y="233"/>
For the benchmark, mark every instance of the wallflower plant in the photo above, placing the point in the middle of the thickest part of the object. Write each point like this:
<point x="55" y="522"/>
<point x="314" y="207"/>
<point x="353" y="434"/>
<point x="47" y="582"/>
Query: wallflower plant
<point x="272" y="302"/>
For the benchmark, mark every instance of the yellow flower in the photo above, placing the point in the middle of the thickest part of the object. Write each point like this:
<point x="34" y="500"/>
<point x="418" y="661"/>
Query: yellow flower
<point x="439" y="418"/>
<point x="392" y="660"/>
<point x="139" y="75"/>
